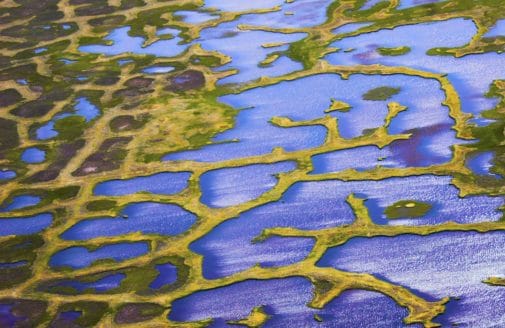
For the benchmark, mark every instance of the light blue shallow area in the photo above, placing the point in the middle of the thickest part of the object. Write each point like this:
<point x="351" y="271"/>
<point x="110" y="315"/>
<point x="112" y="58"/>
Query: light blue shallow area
<point x="297" y="14"/>
<point x="161" y="183"/>
<point x="81" y="257"/>
<point x="286" y="301"/>
<point x="20" y="202"/>
<point x="25" y="225"/>
<point x="233" y="186"/>
<point x="158" y="69"/>
<point x="123" y="43"/>
<point x="146" y="217"/>
<point x="33" y="155"/>
<point x="246" y="52"/>
<point x="445" y="264"/>
<point x="7" y="175"/>
<point x="194" y="17"/>
<point x="86" y="109"/>
<point x="481" y="163"/>
<point x="471" y="75"/>
<point x="497" y="30"/>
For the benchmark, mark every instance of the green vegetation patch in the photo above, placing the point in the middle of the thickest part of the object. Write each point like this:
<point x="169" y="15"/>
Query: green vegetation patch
<point x="407" y="209"/>
<point x="396" y="51"/>
<point x="381" y="93"/>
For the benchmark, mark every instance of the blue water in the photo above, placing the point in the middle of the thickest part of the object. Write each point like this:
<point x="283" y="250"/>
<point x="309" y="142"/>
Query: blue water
<point x="471" y="75"/>
<point x="46" y="131"/>
<point x="25" y="225"/>
<point x="81" y="257"/>
<point x="33" y="155"/>
<point x="445" y="264"/>
<point x="167" y="275"/>
<point x="194" y="17"/>
<point x="161" y="183"/>
<point x="305" y="13"/>
<point x="360" y="158"/>
<point x="146" y="217"/>
<point x="227" y="249"/>
<point x="157" y="69"/>
<point x="308" y="98"/>
<point x="233" y="186"/>
<point x="7" y="175"/>
<point x="123" y="43"/>
<point x="246" y="51"/>
<point x="404" y="4"/>
<point x="99" y="286"/>
<point x="481" y="163"/>
<point x="86" y="109"/>
<point x="20" y="202"/>
<point x="286" y="299"/>
<point x="497" y="30"/>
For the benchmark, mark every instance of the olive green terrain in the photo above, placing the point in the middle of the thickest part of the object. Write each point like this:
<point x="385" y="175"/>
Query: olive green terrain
<point x="144" y="117"/>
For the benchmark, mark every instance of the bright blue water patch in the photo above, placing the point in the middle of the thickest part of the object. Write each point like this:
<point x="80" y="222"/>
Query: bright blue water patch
<point x="33" y="155"/>
<point x="233" y="186"/>
<point x="123" y="43"/>
<point x="20" y="202"/>
<point x="435" y="266"/>
<point x="497" y="30"/>
<point x="194" y="17"/>
<point x="286" y="298"/>
<point x="25" y="225"/>
<point x="66" y="26"/>
<point x="471" y="75"/>
<point x="167" y="183"/>
<point x="86" y="109"/>
<point x="7" y="175"/>
<point x="481" y="163"/>
<point x="360" y="158"/>
<point x="40" y="50"/>
<point x="167" y="275"/>
<point x="404" y="4"/>
<point x="158" y="69"/>
<point x="22" y="81"/>
<point x="350" y="27"/>
<point x="101" y="285"/>
<point x="46" y="131"/>
<point x="81" y="257"/>
<point x="146" y="217"/>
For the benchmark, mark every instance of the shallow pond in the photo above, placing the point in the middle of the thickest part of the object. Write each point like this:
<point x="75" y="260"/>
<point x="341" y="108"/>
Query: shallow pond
<point x="445" y="264"/>
<point x="147" y="217"/>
